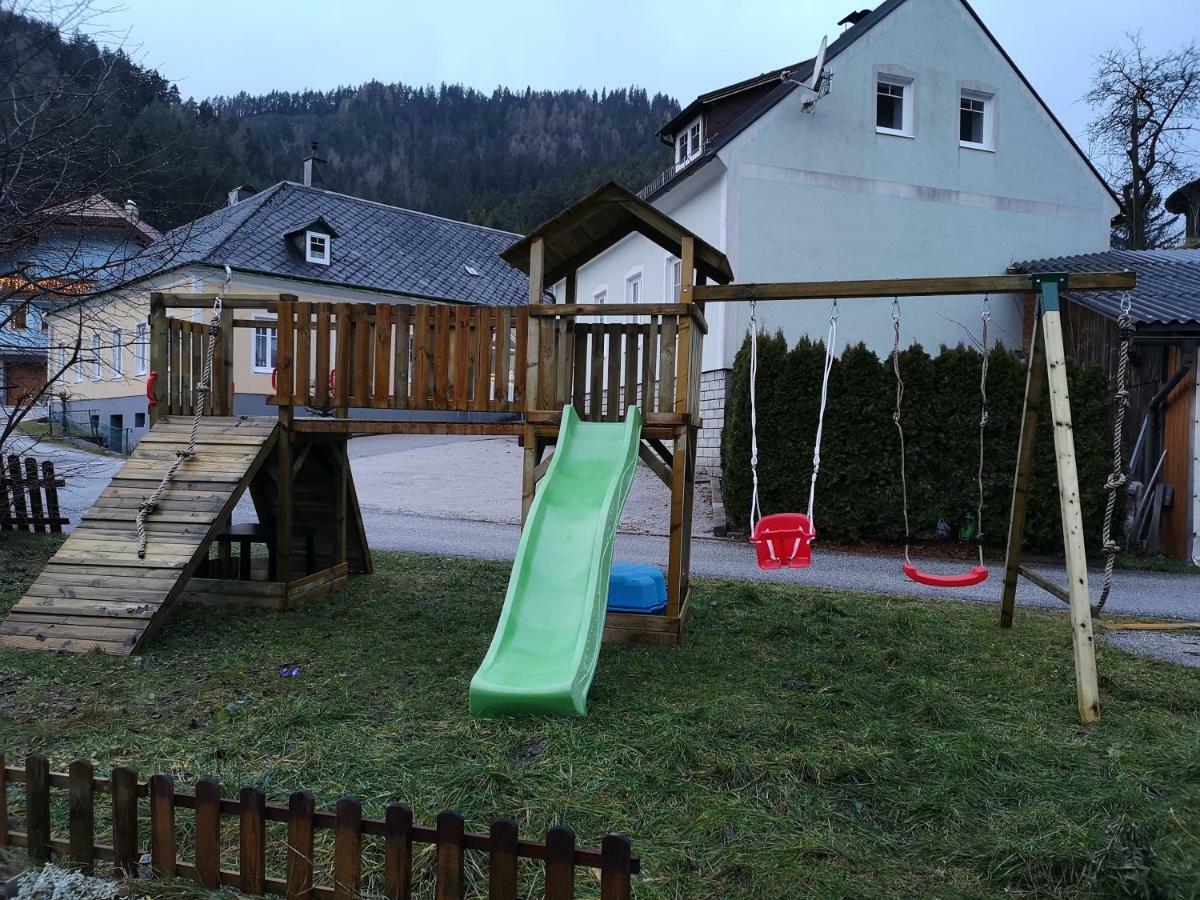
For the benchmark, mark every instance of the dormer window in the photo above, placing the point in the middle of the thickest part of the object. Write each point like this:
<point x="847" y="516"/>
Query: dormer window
<point x="316" y="248"/>
<point x="688" y="144"/>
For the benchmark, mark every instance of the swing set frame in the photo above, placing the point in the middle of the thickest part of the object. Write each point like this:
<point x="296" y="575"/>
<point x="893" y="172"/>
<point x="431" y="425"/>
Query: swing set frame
<point x="1047" y="366"/>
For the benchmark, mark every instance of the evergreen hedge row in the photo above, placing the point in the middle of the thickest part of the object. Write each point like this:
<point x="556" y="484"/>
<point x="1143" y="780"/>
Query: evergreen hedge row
<point x="858" y="492"/>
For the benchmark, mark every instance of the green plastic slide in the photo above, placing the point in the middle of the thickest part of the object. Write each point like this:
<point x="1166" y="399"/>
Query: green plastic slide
<point x="547" y="643"/>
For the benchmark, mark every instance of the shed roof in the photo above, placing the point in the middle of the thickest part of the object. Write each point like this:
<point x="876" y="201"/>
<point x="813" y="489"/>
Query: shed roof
<point x="601" y="219"/>
<point x="1167" y="296"/>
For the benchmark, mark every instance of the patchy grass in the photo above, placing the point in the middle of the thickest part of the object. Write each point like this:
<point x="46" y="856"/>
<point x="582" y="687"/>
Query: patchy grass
<point x="800" y="742"/>
<point x="1155" y="563"/>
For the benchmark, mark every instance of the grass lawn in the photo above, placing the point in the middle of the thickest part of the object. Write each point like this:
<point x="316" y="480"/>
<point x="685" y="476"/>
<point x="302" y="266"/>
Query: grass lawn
<point x="800" y="743"/>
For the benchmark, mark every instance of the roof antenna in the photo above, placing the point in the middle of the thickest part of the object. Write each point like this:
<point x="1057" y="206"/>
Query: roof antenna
<point x="818" y="83"/>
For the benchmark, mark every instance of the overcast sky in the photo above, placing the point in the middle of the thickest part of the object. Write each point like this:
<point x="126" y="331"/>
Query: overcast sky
<point x="679" y="48"/>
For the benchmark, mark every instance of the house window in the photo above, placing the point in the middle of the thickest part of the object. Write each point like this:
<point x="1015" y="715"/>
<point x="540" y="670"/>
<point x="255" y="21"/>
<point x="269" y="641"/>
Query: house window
<point x="97" y="363"/>
<point x="975" y="120"/>
<point x="316" y="248"/>
<point x="893" y="105"/>
<point x="118" y="354"/>
<point x="687" y="144"/>
<point x="141" y="350"/>
<point x="19" y="318"/>
<point x="671" y="283"/>
<point x="139" y="420"/>
<point x="601" y="296"/>
<point x="77" y="366"/>
<point x="633" y="287"/>
<point x="266" y="344"/>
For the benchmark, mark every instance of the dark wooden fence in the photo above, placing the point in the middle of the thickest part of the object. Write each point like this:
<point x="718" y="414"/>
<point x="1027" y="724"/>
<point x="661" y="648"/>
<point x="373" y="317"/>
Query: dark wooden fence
<point x="503" y="847"/>
<point x="29" y="501"/>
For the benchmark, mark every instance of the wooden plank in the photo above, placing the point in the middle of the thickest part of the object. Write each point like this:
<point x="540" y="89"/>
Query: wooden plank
<point x="368" y="426"/>
<point x="501" y="370"/>
<point x="174" y="386"/>
<point x="343" y="364"/>
<point x="37" y="807"/>
<point x="302" y="365"/>
<point x="612" y="411"/>
<point x="560" y="863"/>
<point x="596" y="376"/>
<point x="401" y="364"/>
<point x="1035" y="375"/>
<point x="208" y="833"/>
<point x="547" y="364"/>
<point x="125" y="820"/>
<point x="482" y="360"/>
<point x="441" y="357"/>
<point x="649" y="362"/>
<point x="82" y="813"/>
<point x="252" y="840"/>
<point x="300" y="845"/>
<point x="362" y="352"/>
<point x="906" y="287"/>
<point x="579" y="368"/>
<point x="573" y="310"/>
<point x="187" y="355"/>
<point x="162" y="826"/>
<point x="285" y="374"/>
<point x="631" y="364"/>
<point x="397" y="852"/>
<point x="520" y="357"/>
<point x="537" y="262"/>
<point x="460" y="357"/>
<point x="503" y="861"/>
<point x="450" y="882"/>
<point x="564" y="329"/>
<point x="20" y="512"/>
<point x="223" y="367"/>
<point x="322" y="368"/>
<point x="380" y="396"/>
<point x="156" y="381"/>
<point x="666" y="364"/>
<point x="615" y="868"/>
<point x="422" y="353"/>
<point x="347" y="849"/>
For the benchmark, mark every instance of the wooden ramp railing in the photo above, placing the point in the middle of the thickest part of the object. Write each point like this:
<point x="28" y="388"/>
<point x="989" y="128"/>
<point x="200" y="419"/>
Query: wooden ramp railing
<point x="292" y="867"/>
<point x="179" y="368"/>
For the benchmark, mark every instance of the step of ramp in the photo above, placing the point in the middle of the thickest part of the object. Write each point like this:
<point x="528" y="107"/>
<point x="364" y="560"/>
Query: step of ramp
<point x="95" y="594"/>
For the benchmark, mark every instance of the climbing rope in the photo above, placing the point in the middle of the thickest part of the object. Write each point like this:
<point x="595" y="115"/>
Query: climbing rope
<point x="1118" y="478"/>
<point x="202" y="390"/>
<point x="755" y="509"/>
<point x="830" y="354"/>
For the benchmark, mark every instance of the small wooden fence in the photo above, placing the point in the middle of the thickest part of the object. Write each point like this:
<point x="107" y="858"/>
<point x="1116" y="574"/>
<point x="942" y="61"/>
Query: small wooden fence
<point x="504" y="848"/>
<point x="187" y="342"/>
<point x="30" y="500"/>
<point x="400" y="356"/>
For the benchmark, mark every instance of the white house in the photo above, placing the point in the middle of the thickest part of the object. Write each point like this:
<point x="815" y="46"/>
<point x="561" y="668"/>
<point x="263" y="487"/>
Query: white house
<point x="930" y="154"/>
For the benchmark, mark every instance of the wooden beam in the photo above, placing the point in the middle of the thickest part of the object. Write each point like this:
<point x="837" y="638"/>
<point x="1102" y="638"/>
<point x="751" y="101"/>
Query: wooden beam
<point x="283" y="503"/>
<point x="906" y="287"/>
<point x="1035" y="377"/>
<point x="342" y="427"/>
<point x="1044" y="583"/>
<point x="571" y="310"/>
<point x="228" y="301"/>
<point x="158" y="357"/>
<point x="656" y="465"/>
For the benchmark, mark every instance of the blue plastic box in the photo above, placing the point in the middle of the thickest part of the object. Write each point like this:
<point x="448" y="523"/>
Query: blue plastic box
<point x="636" y="588"/>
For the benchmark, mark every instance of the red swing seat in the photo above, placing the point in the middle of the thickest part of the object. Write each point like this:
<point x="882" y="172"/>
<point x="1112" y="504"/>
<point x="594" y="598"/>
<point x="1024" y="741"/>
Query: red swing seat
<point x="977" y="575"/>
<point x="783" y="539"/>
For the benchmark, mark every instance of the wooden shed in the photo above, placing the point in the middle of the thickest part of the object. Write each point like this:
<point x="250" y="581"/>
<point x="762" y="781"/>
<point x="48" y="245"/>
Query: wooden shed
<point x="1162" y="426"/>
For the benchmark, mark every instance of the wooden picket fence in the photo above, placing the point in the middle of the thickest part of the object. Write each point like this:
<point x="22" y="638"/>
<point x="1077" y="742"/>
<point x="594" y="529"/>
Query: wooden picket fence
<point x="502" y="845"/>
<point x="29" y="501"/>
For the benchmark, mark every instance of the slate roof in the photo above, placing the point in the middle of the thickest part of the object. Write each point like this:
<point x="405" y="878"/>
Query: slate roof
<point x="789" y="78"/>
<point x="1167" y="295"/>
<point x="100" y="211"/>
<point x="378" y="248"/>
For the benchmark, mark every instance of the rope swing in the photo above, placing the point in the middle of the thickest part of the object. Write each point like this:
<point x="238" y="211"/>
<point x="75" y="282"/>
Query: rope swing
<point x="1118" y="479"/>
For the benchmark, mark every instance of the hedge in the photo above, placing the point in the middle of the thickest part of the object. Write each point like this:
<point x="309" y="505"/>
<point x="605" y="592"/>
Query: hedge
<point x="858" y="492"/>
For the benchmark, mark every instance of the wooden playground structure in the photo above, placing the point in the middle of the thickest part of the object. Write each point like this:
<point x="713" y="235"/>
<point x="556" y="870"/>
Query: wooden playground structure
<point x="348" y="369"/>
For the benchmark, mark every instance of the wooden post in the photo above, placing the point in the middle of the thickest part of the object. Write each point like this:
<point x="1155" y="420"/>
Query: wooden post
<point x="300" y="845"/>
<point x="37" y="808"/>
<point x="341" y="485"/>
<point x="83" y="822"/>
<point x="162" y="826"/>
<point x="158" y="358"/>
<point x="397" y="864"/>
<point x="208" y="833"/>
<point x="125" y="838"/>
<point x="682" y="460"/>
<point x="449" y="865"/>
<point x="1035" y="377"/>
<point x="283" y="505"/>
<point x="222" y="399"/>
<point x="347" y="849"/>
<point x="1082" y="638"/>
<point x="252" y="841"/>
<point x="537" y="252"/>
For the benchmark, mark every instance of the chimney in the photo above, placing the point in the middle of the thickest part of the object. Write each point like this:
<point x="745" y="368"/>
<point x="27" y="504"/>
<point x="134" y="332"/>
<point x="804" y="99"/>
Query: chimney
<point x="240" y="193"/>
<point x="312" y="169"/>
<point x="131" y="210"/>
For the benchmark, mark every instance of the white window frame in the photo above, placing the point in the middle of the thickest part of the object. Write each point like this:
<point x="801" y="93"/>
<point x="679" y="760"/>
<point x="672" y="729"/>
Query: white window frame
<point x="988" y="100"/>
<point x="118" y="354"/>
<point x="634" y="282"/>
<point x="269" y="333"/>
<point x="689" y="143"/>
<point x="672" y="278"/>
<point x="907" y="127"/>
<point x="77" y="366"/>
<point x="97" y="356"/>
<point x="321" y="259"/>
<point x="141" y="349"/>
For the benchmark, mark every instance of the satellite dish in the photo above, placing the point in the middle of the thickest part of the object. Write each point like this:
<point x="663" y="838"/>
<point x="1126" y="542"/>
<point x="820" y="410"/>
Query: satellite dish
<point x="818" y="65"/>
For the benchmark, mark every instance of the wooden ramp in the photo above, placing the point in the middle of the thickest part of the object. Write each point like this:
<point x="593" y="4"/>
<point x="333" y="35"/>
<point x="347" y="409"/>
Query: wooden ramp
<point x="95" y="593"/>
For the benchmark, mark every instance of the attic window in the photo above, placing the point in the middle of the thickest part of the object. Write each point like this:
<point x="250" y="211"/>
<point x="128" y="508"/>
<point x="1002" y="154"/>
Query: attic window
<point x="688" y="144"/>
<point x="316" y="248"/>
<point x="472" y="271"/>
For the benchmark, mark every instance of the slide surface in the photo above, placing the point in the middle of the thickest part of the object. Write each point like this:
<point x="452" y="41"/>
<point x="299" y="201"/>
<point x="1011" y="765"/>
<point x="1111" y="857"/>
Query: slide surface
<point x="544" y="652"/>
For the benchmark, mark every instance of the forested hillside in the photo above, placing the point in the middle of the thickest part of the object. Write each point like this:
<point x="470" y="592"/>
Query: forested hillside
<point x="509" y="158"/>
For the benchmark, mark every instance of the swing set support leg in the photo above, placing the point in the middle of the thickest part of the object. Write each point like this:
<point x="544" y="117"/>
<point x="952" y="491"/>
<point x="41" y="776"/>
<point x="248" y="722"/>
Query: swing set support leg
<point x="1048" y="349"/>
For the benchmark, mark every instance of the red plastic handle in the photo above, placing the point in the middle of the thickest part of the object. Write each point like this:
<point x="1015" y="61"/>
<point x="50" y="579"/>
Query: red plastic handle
<point x="274" y="379"/>
<point x="150" y="382"/>
<point x="977" y="575"/>
<point x="332" y="378"/>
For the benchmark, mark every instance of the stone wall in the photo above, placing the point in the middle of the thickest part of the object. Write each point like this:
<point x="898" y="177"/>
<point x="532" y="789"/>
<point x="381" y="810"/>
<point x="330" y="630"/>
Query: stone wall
<point x="714" y="389"/>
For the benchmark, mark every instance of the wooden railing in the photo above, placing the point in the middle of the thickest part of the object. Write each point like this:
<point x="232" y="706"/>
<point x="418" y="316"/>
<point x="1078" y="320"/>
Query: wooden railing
<point x="302" y="875"/>
<point x="400" y="356"/>
<point x="187" y="342"/>
<point x="29" y="501"/>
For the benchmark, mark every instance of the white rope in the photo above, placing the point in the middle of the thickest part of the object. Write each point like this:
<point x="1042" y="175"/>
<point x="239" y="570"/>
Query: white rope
<point x="1118" y="478"/>
<point x="202" y="391"/>
<point x="985" y="315"/>
<point x="896" y="417"/>
<point x="830" y="355"/>
<point x="755" y="509"/>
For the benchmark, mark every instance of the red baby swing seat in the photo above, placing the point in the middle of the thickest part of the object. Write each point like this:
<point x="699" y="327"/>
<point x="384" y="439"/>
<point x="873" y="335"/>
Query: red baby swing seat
<point x="784" y="539"/>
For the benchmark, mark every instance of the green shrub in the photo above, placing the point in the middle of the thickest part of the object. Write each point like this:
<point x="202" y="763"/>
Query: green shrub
<point x="858" y="492"/>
